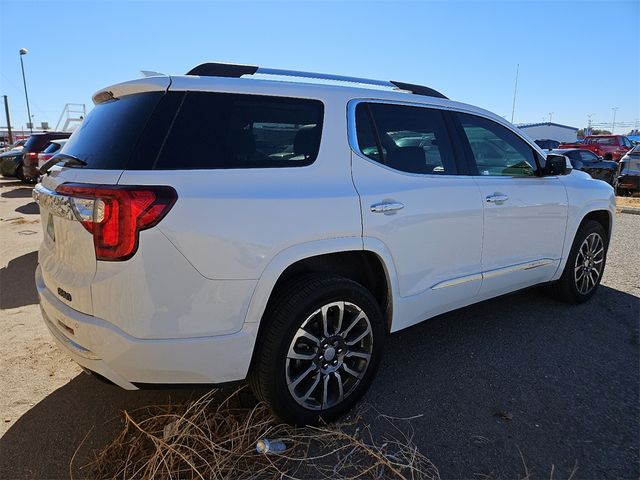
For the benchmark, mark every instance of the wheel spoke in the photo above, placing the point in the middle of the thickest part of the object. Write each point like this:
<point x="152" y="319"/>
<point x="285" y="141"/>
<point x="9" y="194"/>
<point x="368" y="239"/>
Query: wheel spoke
<point x="354" y="353"/>
<point x="325" y="391"/>
<point x="350" y="371"/>
<point x="359" y="337"/>
<point x="325" y="320"/>
<point x="353" y="323"/>
<point x="313" y="386"/>
<point x="593" y="280"/>
<point x="299" y="356"/>
<point x="303" y="333"/>
<point x="340" y="387"/>
<point x="585" y="284"/>
<point x="302" y="376"/>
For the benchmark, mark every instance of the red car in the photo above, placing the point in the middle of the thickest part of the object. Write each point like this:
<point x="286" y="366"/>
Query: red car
<point x="609" y="147"/>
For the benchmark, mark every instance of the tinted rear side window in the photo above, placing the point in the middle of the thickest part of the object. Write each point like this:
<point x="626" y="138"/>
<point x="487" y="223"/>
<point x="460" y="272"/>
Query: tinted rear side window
<point x="412" y="139"/>
<point x="107" y="137"/>
<point x="219" y="130"/>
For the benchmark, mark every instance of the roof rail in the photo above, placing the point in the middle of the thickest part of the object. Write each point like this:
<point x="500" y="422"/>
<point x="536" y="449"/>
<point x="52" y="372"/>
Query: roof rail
<point x="213" y="69"/>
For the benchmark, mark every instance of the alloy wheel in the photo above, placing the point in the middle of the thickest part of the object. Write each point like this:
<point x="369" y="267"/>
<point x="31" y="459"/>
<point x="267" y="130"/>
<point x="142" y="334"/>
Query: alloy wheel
<point x="329" y="355"/>
<point x="589" y="263"/>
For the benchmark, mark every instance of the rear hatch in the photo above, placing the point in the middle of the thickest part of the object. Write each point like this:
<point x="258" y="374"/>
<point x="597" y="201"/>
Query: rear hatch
<point x="105" y="144"/>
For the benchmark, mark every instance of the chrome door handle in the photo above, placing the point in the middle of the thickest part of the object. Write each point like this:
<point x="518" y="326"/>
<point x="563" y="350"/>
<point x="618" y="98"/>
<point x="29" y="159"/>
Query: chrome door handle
<point x="387" y="207"/>
<point x="497" y="198"/>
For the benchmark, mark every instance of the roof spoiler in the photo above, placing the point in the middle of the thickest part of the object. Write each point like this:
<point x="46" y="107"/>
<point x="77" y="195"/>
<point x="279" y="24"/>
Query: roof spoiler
<point x="230" y="70"/>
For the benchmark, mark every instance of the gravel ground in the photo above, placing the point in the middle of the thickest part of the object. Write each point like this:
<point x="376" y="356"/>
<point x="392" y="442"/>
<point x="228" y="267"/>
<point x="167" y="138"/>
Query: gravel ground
<point x="513" y="385"/>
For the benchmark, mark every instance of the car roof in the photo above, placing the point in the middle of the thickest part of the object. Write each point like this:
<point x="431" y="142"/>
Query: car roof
<point x="326" y="92"/>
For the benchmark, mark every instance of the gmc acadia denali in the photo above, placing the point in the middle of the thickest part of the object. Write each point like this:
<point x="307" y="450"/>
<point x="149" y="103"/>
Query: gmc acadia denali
<point x="236" y="222"/>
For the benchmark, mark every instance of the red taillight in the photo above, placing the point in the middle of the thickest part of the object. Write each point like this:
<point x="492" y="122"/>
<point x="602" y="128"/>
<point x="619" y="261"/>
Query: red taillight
<point x="114" y="215"/>
<point x="30" y="156"/>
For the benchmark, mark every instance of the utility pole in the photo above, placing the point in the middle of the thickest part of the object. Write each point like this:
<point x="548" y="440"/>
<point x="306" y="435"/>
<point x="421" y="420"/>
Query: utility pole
<point x="589" y="123"/>
<point x="515" y="89"/>
<point x="550" y="116"/>
<point x="613" y="124"/>
<point x="6" y="111"/>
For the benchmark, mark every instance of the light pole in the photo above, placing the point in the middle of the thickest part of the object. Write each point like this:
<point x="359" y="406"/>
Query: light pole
<point x="6" y="112"/>
<point x="24" y="51"/>
<point x="551" y="116"/>
<point x="515" y="90"/>
<point x="613" y="124"/>
<point x="589" y="123"/>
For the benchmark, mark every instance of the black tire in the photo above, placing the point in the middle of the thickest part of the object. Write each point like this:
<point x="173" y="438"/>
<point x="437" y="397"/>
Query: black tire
<point x="567" y="288"/>
<point x="20" y="173"/>
<point x="294" y="305"/>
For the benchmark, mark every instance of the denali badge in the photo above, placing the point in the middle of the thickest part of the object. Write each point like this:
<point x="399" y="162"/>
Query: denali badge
<point x="63" y="294"/>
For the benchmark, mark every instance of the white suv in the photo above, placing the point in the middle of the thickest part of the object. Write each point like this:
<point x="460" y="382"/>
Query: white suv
<point x="226" y="224"/>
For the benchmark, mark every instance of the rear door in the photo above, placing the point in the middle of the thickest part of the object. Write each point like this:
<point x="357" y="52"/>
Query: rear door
<point x="106" y="140"/>
<point x="416" y="205"/>
<point x="525" y="215"/>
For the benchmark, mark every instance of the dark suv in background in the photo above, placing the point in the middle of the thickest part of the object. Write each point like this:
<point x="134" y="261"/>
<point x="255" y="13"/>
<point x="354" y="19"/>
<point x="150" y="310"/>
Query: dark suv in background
<point x="28" y="171"/>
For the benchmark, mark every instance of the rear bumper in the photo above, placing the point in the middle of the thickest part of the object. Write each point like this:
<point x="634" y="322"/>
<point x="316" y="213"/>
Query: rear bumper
<point x="630" y="182"/>
<point x="102" y="348"/>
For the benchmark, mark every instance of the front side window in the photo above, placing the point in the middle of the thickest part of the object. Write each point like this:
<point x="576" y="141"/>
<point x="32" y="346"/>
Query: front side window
<point x="411" y="139"/>
<point x="588" y="157"/>
<point x="496" y="150"/>
<point x="221" y="130"/>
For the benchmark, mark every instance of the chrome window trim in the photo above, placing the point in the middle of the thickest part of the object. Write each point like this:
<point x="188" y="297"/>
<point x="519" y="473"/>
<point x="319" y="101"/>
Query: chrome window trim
<point x="352" y="134"/>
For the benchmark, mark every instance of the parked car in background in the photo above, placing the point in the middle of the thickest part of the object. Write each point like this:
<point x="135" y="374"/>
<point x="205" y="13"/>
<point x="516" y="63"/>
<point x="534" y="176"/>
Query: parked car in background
<point x="587" y="161"/>
<point x="547" y="144"/>
<point x="609" y="147"/>
<point x="29" y="171"/>
<point x="17" y="145"/>
<point x="10" y="161"/>
<point x="244" y="228"/>
<point x="629" y="173"/>
<point x="49" y="151"/>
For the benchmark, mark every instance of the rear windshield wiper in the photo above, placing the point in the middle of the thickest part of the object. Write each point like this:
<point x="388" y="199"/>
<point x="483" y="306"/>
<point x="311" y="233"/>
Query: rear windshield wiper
<point x="67" y="159"/>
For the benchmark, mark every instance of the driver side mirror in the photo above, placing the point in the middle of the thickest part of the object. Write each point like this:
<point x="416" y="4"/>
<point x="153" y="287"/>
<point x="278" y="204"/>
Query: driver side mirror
<point x="556" y="165"/>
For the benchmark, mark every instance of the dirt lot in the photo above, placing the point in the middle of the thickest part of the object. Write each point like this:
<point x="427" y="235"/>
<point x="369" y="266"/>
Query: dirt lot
<point x="521" y="373"/>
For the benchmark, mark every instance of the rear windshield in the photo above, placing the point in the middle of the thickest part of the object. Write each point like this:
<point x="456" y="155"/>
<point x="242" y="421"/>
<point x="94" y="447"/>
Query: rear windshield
<point x="107" y="137"/>
<point x="38" y="141"/>
<point x="51" y="148"/>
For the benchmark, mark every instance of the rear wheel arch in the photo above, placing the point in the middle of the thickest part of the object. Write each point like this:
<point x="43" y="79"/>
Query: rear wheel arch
<point x="362" y="266"/>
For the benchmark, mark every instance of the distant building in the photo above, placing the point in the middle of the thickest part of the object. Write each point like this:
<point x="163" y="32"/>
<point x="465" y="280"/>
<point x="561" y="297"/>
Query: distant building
<point x="549" y="131"/>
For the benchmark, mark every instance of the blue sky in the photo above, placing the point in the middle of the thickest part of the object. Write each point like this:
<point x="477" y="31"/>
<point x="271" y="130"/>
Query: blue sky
<point x="576" y="58"/>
